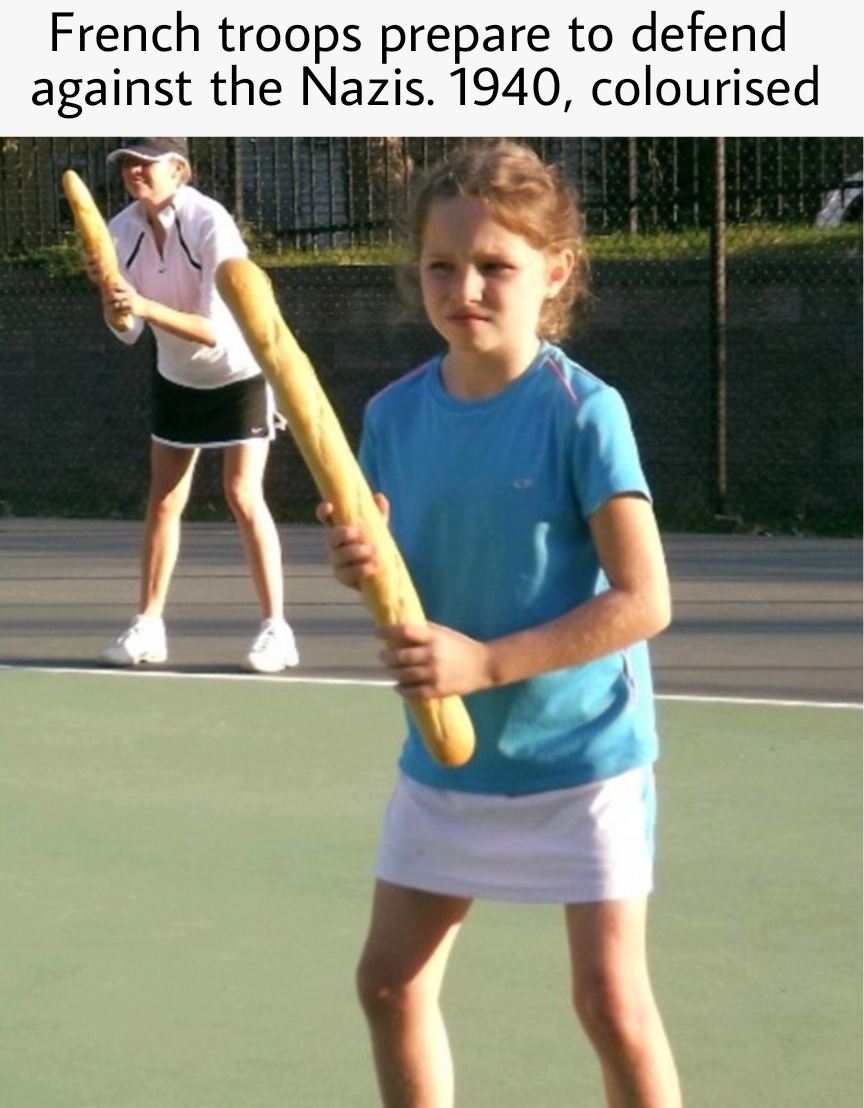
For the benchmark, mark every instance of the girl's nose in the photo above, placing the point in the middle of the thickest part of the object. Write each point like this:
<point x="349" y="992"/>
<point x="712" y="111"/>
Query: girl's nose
<point x="470" y="284"/>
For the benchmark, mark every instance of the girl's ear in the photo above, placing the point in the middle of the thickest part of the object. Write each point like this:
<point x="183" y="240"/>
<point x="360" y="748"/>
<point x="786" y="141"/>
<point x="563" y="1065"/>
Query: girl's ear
<point x="560" y="267"/>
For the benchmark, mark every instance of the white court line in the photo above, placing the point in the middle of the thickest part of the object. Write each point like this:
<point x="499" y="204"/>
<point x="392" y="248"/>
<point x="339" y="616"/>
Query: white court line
<point x="175" y="675"/>
<point x="283" y="679"/>
<point x="756" y="701"/>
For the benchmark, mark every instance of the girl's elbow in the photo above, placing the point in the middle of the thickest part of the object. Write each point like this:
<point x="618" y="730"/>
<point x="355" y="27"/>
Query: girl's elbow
<point x="660" y="613"/>
<point x="654" y="607"/>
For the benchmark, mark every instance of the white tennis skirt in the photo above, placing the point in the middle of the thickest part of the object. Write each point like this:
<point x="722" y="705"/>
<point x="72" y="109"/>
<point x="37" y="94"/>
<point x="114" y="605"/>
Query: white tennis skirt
<point x="571" y="846"/>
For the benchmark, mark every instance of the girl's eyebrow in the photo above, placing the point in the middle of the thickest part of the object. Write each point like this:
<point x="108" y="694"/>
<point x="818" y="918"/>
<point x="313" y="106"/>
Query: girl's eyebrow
<point x="482" y="255"/>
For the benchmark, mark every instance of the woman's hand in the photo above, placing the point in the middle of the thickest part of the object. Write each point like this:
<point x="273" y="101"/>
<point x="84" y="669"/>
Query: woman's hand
<point x="93" y="268"/>
<point x="121" y="298"/>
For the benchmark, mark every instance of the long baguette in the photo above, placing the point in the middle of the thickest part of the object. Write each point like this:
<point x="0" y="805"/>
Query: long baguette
<point x="95" y="236"/>
<point x="389" y="594"/>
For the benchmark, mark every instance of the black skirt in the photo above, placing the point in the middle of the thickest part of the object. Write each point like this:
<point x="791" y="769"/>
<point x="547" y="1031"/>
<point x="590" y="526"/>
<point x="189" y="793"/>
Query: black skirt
<point x="224" y="416"/>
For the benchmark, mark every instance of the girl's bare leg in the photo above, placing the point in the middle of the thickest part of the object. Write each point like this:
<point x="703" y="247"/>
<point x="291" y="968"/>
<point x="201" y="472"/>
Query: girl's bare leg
<point x="399" y="980"/>
<point x="615" y="1003"/>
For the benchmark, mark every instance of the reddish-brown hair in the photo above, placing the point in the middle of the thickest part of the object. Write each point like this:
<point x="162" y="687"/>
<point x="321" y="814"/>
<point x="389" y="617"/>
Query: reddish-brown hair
<point x="527" y="196"/>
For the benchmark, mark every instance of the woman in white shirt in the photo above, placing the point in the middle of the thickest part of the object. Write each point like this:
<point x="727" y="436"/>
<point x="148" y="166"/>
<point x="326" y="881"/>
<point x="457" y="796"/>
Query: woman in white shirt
<point x="208" y="390"/>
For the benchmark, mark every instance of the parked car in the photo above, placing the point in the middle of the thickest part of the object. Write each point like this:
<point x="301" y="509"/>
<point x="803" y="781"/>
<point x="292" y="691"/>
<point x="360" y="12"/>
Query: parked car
<point x="841" y="205"/>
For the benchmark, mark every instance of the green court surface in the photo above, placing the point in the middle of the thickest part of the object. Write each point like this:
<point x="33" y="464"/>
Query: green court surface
<point x="185" y="883"/>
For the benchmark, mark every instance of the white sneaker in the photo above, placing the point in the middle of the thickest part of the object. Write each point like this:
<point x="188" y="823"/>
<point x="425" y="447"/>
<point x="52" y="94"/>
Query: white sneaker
<point x="143" y="642"/>
<point x="273" y="650"/>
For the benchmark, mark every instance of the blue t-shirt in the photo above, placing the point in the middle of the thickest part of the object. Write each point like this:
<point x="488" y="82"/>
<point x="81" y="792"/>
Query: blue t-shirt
<point x="489" y="506"/>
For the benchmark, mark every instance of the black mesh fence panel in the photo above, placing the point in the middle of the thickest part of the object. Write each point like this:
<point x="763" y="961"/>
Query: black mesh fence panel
<point x="725" y="304"/>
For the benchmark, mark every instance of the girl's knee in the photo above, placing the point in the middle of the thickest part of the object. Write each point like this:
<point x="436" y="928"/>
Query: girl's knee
<point x="614" y="1014"/>
<point x="374" y="991"/>
<point x="381" y="991"/>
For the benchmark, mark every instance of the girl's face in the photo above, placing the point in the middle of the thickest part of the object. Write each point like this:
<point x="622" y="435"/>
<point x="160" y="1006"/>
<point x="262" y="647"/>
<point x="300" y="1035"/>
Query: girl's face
<point x="153" y="183"/>
<point x="484" y="286"/>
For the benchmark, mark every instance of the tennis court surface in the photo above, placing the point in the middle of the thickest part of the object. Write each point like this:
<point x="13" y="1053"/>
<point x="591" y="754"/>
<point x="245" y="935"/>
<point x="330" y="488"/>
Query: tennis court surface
<point x="185" y="855"/>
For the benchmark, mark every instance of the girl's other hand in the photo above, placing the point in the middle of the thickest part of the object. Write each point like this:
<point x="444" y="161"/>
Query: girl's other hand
<point x="351" y="555"/>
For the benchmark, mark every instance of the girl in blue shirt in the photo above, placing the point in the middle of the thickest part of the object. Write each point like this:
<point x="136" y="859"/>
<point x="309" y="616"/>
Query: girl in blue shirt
<point x="514" y="490"/>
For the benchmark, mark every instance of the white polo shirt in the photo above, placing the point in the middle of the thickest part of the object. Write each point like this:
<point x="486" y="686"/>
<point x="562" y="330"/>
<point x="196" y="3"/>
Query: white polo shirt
<point x="200" y="233"/>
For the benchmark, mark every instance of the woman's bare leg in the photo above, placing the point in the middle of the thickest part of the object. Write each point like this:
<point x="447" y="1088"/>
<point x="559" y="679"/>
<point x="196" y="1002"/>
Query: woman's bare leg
<point x="243" y="476"/>
<point x="171" y="471"/>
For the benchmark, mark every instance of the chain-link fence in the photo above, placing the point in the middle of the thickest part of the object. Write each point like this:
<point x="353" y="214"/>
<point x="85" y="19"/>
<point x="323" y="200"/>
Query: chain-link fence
<point x="726" y="281"/>
<point x="325" y="193"/>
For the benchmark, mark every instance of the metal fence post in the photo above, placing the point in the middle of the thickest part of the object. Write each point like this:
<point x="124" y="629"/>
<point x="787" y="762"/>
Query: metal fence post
<point x="235" y="176"/>
<point x="719" y="332"/>
<point x="633" y="186"/>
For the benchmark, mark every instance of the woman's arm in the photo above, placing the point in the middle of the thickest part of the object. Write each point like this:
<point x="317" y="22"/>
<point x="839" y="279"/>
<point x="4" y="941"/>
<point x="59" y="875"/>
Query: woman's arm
<point x="219" y="239"/>
<point x="123" y="297"/>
